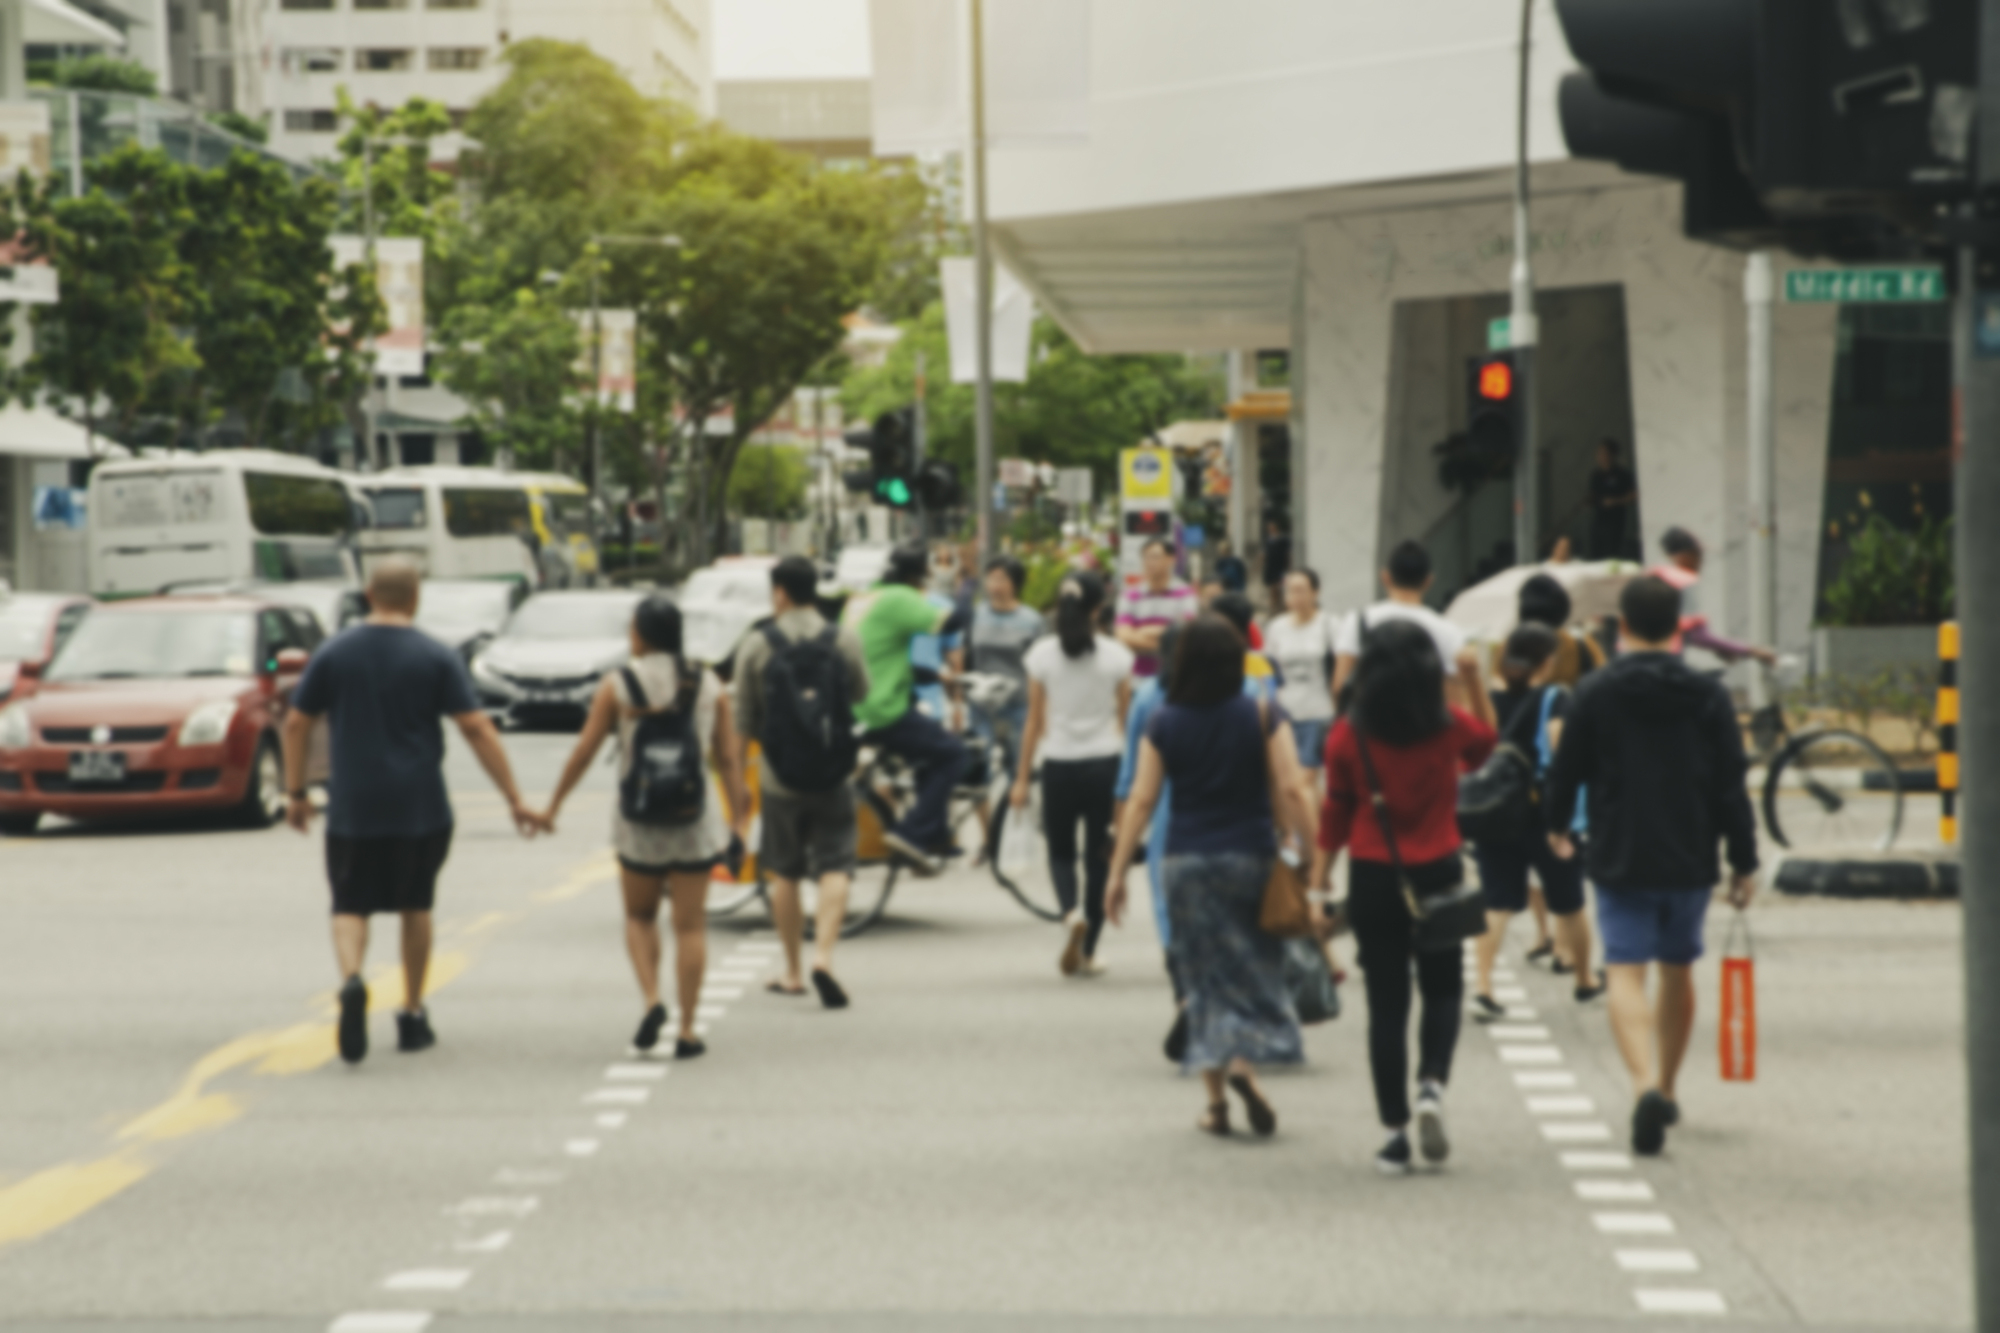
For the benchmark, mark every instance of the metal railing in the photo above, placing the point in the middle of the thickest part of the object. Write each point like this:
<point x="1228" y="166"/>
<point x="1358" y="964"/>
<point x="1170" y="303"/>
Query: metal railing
<point x="86" y="125"/>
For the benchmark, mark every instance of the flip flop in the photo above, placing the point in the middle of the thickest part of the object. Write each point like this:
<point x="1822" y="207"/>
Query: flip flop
<point x="780" y="988"/>
<point x="830" y="993"/>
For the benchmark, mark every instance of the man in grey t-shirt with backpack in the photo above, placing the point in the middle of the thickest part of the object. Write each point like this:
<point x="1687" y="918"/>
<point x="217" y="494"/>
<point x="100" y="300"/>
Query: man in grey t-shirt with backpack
<point x="797" y="680"/>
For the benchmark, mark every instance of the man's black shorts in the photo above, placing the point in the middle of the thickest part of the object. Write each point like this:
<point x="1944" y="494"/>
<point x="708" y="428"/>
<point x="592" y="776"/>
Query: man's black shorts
<point x="372" y="875"/>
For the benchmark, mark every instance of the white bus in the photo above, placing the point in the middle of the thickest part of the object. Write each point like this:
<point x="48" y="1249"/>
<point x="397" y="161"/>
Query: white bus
<point x="455" y="522"/>
<point x="230" y="516"/>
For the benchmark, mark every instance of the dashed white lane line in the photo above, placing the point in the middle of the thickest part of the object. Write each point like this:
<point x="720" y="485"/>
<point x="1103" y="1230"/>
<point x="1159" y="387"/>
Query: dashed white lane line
<point x="1658" y="1261"/>
<point x="721" y="993"/>
<point x="710" y="1011"/>
<point x="1530" y="1055"/>
<point x="636" y="1073"/>
<point x="1561" y="1106"/>
<point x="489" y="1244"/>
<point x="1544" y="1078"/>
<point x="757" y="947"/>
<point x="1633" y="1224"/>
<point x="1597" y="1161"/>
<point x="616" y="1096"/>
<point x="428" y="1279"/>
<point x="495" y="1205"/>
<point x="1576" y="1131"/>
<point x="381" y="1321"/>
<point x="513" y="1175"/>
<point x="1509" y="994"/>
<point x="1517" y="1032"/>
<point x="581" y="1147"/>
<point x="1679" y="1301"/>
<point x="1614" y="1191"/>
<point x="611" y="1120"/>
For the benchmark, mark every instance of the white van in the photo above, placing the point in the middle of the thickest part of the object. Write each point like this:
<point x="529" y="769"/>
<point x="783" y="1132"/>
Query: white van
<point x="229" y="516"/>
<point x="455" y="522"/>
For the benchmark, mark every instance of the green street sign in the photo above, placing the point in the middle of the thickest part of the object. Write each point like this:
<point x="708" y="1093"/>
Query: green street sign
<point x="1876" y="284"/>
<point x="1499" y="334"/>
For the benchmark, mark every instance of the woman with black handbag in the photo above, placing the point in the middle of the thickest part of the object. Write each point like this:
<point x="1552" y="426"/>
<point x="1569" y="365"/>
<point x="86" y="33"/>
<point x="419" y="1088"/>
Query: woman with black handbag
<point x="1392" y="767"/>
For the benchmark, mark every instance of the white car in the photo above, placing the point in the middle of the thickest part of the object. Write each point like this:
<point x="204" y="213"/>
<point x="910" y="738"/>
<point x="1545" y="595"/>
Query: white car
<point x="720" y="604"/>
<point x="859" y="569"/>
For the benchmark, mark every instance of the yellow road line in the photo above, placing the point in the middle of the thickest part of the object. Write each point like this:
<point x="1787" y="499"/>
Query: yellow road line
<point x="59" y="1195"/>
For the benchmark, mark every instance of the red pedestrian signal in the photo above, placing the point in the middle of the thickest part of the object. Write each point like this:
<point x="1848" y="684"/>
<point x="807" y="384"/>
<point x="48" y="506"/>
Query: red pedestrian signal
<point x="1496" y="381"/>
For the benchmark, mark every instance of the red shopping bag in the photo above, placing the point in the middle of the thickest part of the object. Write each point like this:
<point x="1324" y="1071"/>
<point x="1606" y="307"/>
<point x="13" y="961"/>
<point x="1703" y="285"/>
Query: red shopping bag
<point x="1739" y="1003"/>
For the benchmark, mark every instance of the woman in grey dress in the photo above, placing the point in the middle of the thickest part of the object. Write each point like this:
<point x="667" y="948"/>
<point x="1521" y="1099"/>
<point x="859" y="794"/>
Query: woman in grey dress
<point x="1235" y="769"/>
<point x="655" y="862"/>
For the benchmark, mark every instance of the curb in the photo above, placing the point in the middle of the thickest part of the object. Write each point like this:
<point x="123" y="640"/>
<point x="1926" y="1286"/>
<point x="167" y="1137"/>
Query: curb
<point x="1893" y="879"/>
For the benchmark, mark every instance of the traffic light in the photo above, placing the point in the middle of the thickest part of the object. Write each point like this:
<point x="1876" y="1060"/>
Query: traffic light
<point x="938" y="488"/>
<point x="891" y="443"/>
<point x="1492" y="425"/>
<point x="1826" y="128"/>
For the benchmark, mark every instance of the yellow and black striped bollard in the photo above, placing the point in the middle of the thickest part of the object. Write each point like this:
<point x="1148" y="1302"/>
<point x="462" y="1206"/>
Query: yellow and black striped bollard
<point x="1947" y="725"/>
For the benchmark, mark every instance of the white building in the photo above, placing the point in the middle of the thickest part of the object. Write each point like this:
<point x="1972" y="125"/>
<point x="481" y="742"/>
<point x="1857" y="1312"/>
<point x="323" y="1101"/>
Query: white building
<point x="1332" y="177"/>
<point x="387" y="51"/>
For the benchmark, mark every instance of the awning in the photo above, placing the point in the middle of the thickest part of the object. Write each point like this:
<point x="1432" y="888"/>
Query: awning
<point x="37" y="432"/>
<point x="55" y="23"/>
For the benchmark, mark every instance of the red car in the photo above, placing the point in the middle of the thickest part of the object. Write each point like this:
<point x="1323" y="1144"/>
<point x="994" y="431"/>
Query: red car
<point x="33" y="625"/>
<point x="157" y="707"/>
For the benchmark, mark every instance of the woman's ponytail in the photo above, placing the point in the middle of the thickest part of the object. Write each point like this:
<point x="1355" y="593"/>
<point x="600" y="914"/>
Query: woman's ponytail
<point x="1077" y="599"/>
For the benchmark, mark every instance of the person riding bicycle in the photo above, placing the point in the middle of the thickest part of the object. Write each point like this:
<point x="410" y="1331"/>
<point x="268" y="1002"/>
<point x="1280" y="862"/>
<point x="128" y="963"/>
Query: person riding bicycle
<point x="886" y="618"/>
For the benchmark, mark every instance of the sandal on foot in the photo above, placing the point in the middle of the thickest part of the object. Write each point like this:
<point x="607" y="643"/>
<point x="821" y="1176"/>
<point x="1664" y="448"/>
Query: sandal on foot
<point x="1215" y="1120"/>
<point x="1263" y="1120"/>
<point x="648" y="1035"/>
<point x="830" y="993"/>
<point x="780" y="988"/>
<point x="687" y="1049"/>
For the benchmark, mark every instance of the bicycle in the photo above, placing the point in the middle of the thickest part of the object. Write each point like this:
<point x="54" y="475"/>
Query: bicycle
<point x="1828" y="787"/>
<point x="884" y="790"/>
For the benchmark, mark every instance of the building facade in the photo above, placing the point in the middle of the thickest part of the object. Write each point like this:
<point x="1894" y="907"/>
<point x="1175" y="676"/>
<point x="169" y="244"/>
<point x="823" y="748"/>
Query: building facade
<point x="1333" y="178"/>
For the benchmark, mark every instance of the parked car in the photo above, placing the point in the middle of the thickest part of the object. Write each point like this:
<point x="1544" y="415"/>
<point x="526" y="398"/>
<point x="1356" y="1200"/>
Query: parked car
<point x="161" y="706"/>
<point x="331" y="605"/>
<point x="465" y="614"/>
<point x="545" y="663"/>
<point x="720" y="604"/>
<point x="33" y="627"/>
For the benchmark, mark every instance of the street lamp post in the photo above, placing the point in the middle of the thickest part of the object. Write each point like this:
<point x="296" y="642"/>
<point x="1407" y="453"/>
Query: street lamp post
<point x="368" y="145"/>
<point x="982" y="248"/>
<point x="1522" y="327"/>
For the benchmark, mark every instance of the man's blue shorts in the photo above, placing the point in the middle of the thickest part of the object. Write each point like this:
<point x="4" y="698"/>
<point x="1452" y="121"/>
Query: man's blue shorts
<point x="1652" y="925"/>
<point x="1311" y="740"/>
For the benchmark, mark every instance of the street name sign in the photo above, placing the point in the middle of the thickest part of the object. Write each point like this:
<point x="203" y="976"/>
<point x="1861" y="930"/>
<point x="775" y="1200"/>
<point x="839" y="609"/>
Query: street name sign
<point x="1875" y="284"/>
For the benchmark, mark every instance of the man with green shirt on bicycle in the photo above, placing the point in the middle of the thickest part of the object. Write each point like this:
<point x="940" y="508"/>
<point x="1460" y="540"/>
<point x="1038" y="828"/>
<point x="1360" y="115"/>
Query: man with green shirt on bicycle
<point x="886" y="618"/>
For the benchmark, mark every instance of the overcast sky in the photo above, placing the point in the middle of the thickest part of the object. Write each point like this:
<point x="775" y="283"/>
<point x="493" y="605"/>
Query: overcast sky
<point x="790" y="39"/>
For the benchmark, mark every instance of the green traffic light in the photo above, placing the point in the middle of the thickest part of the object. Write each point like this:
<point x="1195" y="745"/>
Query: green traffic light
<point x="894" y="490"/>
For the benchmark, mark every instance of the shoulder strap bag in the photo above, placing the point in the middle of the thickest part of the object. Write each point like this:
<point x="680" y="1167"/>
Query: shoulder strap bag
<point x="1444" y="909"/>
<point x="1285" y="912"/>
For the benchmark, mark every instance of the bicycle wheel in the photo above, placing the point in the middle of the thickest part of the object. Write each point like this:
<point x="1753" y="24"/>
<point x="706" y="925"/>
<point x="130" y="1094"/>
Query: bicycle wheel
<point x="1833" y="791"/>
<point x="1033" y="889"/>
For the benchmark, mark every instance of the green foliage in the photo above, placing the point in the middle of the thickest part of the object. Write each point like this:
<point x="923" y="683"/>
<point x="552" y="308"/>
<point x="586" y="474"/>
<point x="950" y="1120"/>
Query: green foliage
<point x="1893" y="577"/>
<point x="104" y="74"/>
<point x="1906" y="695"/>
<point x="925" y="227"/>
<point x="1075" y="410"/>
<point x="769" y="481"/>
<point x="516" y="363"/>
<point x="242" y="126"/>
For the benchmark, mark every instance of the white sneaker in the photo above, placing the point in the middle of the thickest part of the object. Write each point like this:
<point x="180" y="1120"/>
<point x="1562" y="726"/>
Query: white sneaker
<point x="1072" y="960"/>
<point x="1093" y="967"/>
<point x="1431" y="1139"/>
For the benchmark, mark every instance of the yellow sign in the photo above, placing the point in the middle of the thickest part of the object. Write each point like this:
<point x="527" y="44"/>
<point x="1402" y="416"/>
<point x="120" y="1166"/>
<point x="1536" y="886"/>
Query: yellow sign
<point x="1146" y="474"/>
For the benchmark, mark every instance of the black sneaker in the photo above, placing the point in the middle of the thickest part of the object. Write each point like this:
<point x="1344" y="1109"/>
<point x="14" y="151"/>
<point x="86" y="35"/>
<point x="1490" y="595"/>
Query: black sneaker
<point x="1394" y="1159"/>
<point x="1542" y="952"/>
<point x="1175" y="1045"/>
<point x="1673" y="1114"/>
<point x="1650" y="1119"/>
<point x="1585" y="992"/>
<point x="1485" y="1009"/>
<point x="1560" y="968"/>
<point x="648" y="1035"/>
<point x="413" y="1031"/>
<point x="353" y="1020"/>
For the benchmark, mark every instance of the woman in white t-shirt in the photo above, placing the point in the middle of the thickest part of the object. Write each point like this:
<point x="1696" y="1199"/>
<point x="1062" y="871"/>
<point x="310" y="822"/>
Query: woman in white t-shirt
<point x="1300" y="644"/>
<point x="1079" y="687"/>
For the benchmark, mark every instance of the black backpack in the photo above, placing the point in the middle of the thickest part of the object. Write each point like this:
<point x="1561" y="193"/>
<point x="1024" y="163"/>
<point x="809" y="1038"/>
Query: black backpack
<point x="666" y="785"/>
<point x="808" y="732"/>
<point x="1502" y="801"/>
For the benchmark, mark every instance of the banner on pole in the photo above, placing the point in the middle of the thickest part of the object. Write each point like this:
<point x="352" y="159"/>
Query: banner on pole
<point x="1013" y="321"/>
<point x="399" y="281"/>
<point x="617" y="358"/>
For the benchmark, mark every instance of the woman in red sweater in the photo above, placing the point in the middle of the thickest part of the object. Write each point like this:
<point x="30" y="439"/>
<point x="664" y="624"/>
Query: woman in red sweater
<point x="1418" y="746"/>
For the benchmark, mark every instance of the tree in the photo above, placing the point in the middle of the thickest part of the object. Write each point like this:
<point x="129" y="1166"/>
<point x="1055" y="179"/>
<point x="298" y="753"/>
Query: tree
<point x="516" y="363"/>
<point x="242" y="126"/>
<point x="769" y="481"/>
<point x="127" y="290"/>
<point x="1074" y="410"/>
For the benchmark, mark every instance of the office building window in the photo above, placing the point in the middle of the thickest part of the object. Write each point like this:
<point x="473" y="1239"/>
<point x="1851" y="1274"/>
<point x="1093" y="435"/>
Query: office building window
<point x="457" y="57"/>
<point x="383" y="59"/>
<point x="313" y="60"/>
<point x="315" y="120"/>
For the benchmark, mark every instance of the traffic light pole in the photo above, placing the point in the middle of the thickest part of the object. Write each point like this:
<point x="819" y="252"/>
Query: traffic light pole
<point x="1759" y="291"/>
<point x="917" y="438"/>
<point x="1523" y="332"/>
<point x="982" y="249"/>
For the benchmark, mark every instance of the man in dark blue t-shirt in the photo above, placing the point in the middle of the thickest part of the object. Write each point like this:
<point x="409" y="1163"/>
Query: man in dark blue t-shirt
<point x="386" y="686"/>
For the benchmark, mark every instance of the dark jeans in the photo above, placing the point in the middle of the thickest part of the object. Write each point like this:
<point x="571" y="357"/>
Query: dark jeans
<point x="1072" y="790"/>
<point x="1382" y="930"/>
<point x="938" y="758"/>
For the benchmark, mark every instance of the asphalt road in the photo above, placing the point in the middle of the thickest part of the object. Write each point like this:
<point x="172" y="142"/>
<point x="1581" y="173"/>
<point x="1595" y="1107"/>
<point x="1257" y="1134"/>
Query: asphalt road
<point x="975" y="1145"/>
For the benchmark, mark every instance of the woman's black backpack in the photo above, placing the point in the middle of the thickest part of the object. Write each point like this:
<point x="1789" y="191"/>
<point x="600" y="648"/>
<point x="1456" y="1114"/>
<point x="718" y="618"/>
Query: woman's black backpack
<point x="1501" y="802"/>
<point x="666" y="784"/>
